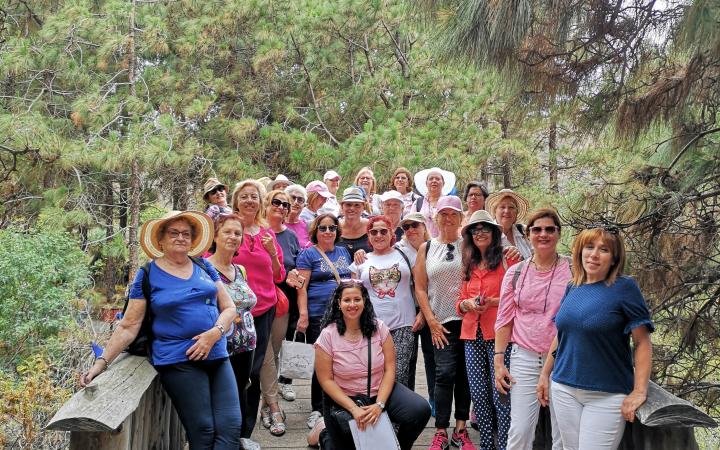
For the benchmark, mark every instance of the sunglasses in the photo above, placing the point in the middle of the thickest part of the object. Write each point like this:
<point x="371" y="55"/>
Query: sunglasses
<point x="297" y="199"/>
<point x="407" y="226"/>
<point x="276" y="202"/>
<point x="481" y="229"/>
<point x="549" y="230"/>
<point x="612" y="229"/>
<point x="449" y="256"/>
<point x="380" y="231"/>
<point x="217" y="189"/>
<point x="325" y="228"/>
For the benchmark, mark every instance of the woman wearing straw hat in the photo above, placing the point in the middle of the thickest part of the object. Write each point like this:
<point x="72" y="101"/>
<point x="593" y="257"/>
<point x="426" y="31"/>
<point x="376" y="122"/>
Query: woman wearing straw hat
<point x="508" y="208"/>
<point x="262" y="256"/>
<point x="191" y="312"/>
<point x="432" y="184"/>
<point x="215" y="195"/>
<point x="484" y="266"/>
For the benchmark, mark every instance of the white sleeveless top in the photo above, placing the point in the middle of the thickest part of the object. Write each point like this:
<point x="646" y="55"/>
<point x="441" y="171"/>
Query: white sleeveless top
<point x="444" y="279"/>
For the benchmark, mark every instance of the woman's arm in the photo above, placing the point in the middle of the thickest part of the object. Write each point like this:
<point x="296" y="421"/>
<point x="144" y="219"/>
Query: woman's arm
<point x="503" y="380"/>
<point x="386" y="384"/>
<point x="323" y="371"/>
<point x="302" y="299"/>
<point x="205" y="341"/>
<point x="123" y="335"/>
<point x="643" y="363"/>
<point x="273" y="248"/>
<point x="543" y="386"/>
<point x="437" y="331"/>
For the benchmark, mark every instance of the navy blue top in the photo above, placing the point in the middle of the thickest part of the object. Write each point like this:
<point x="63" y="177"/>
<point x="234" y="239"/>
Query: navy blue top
<point x="594" y="323"/>
<point x="181" y="310"/>
<point x="322" y="282"/>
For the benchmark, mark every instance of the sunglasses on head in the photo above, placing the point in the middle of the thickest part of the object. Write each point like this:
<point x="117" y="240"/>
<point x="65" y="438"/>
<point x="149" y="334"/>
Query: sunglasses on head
<point x="381" y="231"/>
<point x="549" y="230"/>
<point x="481" y="229"/>
<point x="407" y="226"/>
<point x="449" y="256"/>
<point x="325" y="228"/>
<point x="612" y="229"/>
<point x="278" y="203"/>
<point x="216" y="189"/>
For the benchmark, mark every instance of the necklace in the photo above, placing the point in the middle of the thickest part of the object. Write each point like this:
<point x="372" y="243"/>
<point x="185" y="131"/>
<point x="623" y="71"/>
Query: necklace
<point x="549" y="284"/>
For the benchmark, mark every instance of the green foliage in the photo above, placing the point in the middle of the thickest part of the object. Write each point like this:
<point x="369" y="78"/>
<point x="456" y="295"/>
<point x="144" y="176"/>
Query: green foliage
<point x="41" y="274"/>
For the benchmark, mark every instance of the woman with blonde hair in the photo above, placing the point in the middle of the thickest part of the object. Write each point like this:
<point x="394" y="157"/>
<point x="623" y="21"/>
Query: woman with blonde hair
<point x="365" y="178"/>
<point x="595" y="385"/>
<point x="509" y="208"/>
<point x="262" y="257"/>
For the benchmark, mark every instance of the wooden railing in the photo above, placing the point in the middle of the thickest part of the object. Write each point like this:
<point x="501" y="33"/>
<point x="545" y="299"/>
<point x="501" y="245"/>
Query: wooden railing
<point x="125" y="408"/>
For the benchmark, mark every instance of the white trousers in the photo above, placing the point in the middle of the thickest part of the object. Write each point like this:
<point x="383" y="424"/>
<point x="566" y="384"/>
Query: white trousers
<point x="588" y="420"/>
<point x="525" y="368"/>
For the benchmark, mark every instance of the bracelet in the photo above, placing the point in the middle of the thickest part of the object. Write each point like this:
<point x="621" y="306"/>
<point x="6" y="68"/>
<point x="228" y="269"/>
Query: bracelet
<point x="499" y="353"/>
<point x="103" y="359"/>
<point x="221" y="328"/>
<point x="273" y="255"/>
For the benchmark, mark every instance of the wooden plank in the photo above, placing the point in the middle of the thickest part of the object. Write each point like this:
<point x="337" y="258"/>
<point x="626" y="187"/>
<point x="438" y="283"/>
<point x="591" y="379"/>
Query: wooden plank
<point x="109" y="400"/>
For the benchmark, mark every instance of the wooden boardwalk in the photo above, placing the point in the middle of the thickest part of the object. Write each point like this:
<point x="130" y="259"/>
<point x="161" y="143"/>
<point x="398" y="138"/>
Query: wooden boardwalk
<point x="298" y="411"/>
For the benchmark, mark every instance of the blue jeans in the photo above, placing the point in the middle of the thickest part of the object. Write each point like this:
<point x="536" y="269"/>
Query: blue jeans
<point x="205" y="396"/>
<point x="451" y="378"/>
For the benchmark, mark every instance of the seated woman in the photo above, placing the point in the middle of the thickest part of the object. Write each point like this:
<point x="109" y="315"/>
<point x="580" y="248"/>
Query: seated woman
<point x="341" y="365"/>
<point x="191" y="311"/>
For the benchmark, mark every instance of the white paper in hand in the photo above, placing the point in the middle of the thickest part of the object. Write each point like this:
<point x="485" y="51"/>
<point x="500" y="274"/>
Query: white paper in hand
<point x="374" y="437"/>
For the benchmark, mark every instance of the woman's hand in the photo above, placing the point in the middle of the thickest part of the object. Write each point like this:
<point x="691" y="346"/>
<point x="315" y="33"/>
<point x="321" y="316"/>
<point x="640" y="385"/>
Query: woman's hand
<point x="366" y="415"/>
<point x="512" y="252"/>
<point x="631" y="403"/>
<point x="503" y="379"/>
<point x="419" y="322"/>
<point x="360" y="257"/>
<point x="96" y="369"/>
<point x="302" y="322"/>
<point x="268" y="244"/>
<point x="543" y="389"/>
<point x="438" y="332"/>
<point x="204" y="342"/>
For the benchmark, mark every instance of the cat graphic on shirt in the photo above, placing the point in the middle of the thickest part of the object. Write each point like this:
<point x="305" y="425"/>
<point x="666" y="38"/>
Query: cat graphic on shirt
<point x="385" y="281"/>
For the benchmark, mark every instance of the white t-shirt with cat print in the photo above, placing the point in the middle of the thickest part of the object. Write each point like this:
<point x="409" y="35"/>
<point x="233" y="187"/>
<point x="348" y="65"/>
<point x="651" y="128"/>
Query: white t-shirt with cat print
<point x="387" y="279"/>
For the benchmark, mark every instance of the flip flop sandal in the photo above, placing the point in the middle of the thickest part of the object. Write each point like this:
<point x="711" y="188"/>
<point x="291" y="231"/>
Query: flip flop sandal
<point x="265" y="417"/>
<point x="277" y="428"/>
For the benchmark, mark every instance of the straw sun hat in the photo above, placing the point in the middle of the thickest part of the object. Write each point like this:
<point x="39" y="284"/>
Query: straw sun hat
<point x="496" y="197"/>
<point x="204" y="233"/>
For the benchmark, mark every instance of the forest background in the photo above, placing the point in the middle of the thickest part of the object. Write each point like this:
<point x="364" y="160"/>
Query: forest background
<point x="113" y="111"/>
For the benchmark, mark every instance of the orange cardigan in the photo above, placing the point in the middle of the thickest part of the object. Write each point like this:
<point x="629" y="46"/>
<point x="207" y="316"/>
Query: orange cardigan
<point x="487" y="283"/>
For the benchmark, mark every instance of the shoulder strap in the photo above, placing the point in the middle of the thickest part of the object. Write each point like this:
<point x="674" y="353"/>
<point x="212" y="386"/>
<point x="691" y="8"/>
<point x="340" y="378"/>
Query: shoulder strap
<point x="200" y="262"/>
<point x="521" y="228"/>
<point x="146" y="288"/>
<point x="504" y="263"/>
<point x="412" y="277"/>
<point x="369" y="366"/>
<point x="427" y="248"/>
<point x="332" y="266"/>
<point x="419" y="203"/>
<point x="242" y="270"/>
<point x="516" y="275"/>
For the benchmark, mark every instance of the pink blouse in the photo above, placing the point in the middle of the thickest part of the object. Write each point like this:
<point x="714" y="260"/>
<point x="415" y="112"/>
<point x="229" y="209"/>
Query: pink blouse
<point x="531" y="306"/>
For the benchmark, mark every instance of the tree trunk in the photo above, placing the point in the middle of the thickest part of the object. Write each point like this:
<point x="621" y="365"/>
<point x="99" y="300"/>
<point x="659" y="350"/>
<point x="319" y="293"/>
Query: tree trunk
<point x="134" y="211"/>
<point x="506" y="160"/>
<point x="552" y="157"/>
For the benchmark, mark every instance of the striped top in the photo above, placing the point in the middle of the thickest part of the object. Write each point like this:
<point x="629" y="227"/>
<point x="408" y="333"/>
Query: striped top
<point x="444" y="279"/>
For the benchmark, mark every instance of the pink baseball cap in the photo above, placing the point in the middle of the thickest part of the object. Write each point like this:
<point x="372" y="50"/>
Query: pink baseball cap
<point x="331" y="175"/>
<point x="449" y="202"/>
<point x="319" y="187"/>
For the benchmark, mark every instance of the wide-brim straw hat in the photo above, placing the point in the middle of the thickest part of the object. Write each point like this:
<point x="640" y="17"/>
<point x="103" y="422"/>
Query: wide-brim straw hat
<point x="204" y="233"/>
<point x="211" y="184"/>
<point x="496" y="197"/>
<point x="479" y="216"/>
<point x="421" y="177"/>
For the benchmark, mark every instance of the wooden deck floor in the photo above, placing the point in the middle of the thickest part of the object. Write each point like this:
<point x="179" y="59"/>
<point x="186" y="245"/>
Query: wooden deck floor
<point x="298" y="411"/>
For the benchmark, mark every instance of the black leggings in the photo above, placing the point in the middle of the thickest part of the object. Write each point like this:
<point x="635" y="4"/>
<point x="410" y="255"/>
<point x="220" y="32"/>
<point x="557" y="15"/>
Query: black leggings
<point x="205" y="396"/>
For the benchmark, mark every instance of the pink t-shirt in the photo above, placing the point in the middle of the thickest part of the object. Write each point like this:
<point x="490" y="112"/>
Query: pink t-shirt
<point x="350" y="363"/>
<point x="525" y="306"/>
<point x="301" y="231"/>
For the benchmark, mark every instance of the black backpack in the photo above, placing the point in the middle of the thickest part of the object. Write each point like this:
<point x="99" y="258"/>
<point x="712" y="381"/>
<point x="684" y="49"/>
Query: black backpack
<point x="142" y="344"/>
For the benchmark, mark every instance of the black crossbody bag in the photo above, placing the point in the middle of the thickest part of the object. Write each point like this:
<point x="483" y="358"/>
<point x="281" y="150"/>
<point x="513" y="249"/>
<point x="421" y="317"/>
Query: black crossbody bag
<point x="342" y="416"/>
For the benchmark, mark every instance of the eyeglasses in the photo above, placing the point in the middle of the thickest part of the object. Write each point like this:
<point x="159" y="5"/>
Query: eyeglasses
<point x="549" y="230"/>
<point x="326" y="228"/>
<point x="407" y="226"/>
<point x="174" y="234"/>
<point x="450" y="255"/>
<point x="297" y="199"/>
<point x="476" y="194"/>
<point x="381" y="231"/>
<point x="276" y="202"/>
<point x="216" y="189"/>
<point x="612" y="229"/>
<point x="481" y="229"/>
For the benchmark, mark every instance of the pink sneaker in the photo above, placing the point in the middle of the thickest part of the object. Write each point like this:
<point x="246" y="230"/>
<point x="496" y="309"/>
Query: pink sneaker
<point x="461" y="439"/>
<point x="313" y="438"/>
<point x="440" y="441"/>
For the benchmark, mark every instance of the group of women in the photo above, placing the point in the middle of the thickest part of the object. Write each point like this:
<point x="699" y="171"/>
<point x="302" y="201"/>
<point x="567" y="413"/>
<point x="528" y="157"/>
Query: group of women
<point x="502" y="319"/>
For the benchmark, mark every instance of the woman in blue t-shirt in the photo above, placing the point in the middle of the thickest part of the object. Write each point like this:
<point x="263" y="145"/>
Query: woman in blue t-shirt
<point x="191" y="311"/>
<point x="594" y="386"/>
<point x="322" y="265"/>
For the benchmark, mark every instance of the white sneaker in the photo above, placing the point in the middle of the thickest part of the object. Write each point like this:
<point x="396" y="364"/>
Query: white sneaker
<point x="314" y="416"/>
<point x="249" y="444"/>
<point x="287" y="392"/>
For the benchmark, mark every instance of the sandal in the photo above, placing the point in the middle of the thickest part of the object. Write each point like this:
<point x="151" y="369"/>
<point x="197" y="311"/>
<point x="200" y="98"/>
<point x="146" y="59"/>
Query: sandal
<point x="265" y="416"/>
<point x="277" y="428"/>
